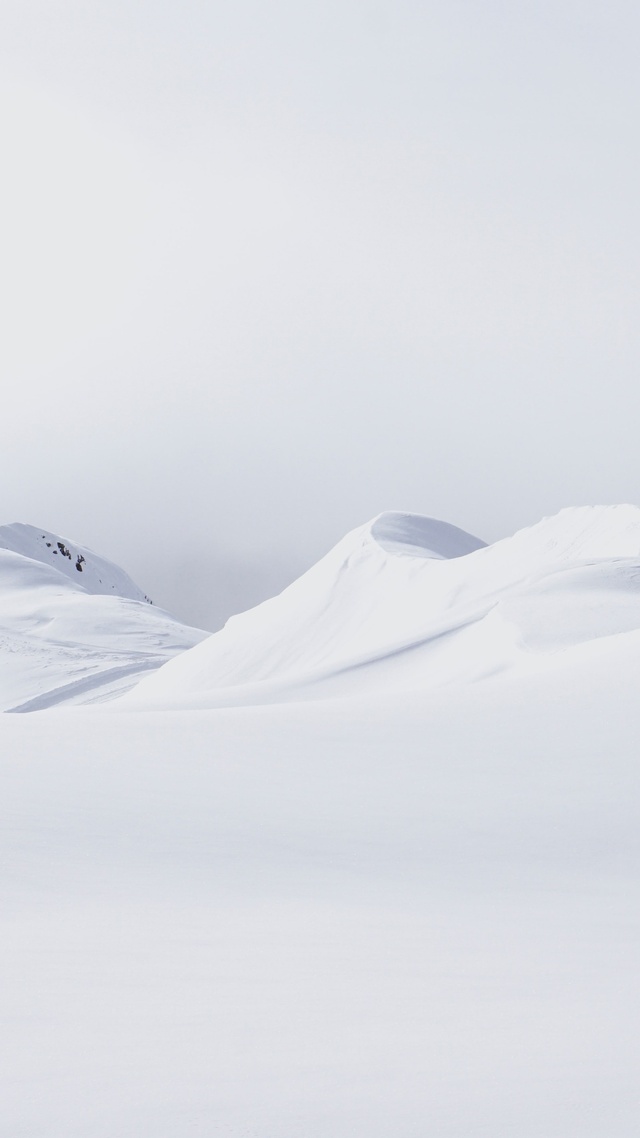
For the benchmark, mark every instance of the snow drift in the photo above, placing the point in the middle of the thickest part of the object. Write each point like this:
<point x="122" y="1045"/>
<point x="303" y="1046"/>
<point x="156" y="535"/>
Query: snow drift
<point x="409" y="602"/>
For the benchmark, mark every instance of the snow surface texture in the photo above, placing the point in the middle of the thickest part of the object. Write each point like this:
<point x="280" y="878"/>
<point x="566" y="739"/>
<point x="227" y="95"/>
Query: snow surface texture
<point x="410" y="603"/>
<point x="74" y="627"/>
<point x="409" y="911"/>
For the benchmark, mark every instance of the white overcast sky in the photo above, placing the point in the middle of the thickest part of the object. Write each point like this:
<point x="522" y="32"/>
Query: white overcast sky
<point x="271" y="268"/>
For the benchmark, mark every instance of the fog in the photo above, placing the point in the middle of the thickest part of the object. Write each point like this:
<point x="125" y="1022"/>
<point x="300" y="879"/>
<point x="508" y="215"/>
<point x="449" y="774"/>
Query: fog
<point x="271" y="268"/>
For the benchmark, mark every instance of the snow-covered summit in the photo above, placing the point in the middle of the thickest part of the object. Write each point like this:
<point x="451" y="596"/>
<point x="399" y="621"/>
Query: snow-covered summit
<point x="406" y="601"/>
<point x="94" y="574"/>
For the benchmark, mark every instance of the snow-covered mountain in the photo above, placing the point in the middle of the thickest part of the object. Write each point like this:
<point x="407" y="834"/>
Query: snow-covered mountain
<point x="73" y="626"/>
<point x="402" y="603"/>
<point x="409" y="602"/>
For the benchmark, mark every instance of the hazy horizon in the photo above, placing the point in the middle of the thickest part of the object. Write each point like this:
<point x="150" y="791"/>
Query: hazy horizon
<point x="269" y="271"/>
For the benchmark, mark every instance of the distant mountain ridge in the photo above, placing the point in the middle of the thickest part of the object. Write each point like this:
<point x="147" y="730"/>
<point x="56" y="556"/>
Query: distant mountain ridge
<point x="85" y="568"/>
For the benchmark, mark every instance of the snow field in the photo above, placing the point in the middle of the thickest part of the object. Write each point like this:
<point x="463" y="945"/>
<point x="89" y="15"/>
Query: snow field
<point x="407" y="916"/>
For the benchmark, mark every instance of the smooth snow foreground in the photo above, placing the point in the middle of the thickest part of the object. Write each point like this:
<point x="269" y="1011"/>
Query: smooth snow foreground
<point x="393" y="893"/>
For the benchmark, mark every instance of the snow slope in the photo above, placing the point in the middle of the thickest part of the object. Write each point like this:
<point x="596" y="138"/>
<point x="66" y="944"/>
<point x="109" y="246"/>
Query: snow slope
<point x="408" y="602"/>
<point x="73" y="626"/>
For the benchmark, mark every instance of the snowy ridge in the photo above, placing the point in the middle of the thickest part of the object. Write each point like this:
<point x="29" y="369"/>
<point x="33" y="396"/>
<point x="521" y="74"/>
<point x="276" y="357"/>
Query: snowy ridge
<point x="406" y="602"/>
<point x="73" y="626"/>
<point x="94" y="574"/>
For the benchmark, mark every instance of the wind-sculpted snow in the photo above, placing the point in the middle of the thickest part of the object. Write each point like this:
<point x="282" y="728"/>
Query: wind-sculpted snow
<point x="71" y="630"/>
<point x="417" y="536"/>
<point x="406" y="602"/>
